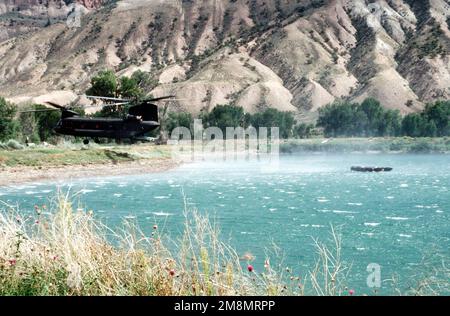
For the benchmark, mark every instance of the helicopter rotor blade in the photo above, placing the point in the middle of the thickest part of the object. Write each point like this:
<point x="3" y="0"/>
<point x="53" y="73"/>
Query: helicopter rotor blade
<point x="159" y="99"/>
<point x="117" y="104"/>
<point x="63" y="109"/>
<point x="107" y="98"/>
<point x="55" y="105"/>
<point x="171" y="100"/>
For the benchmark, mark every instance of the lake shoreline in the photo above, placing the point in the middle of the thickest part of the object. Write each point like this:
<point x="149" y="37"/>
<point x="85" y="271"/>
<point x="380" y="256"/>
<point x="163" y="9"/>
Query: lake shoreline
<point x="394" y="220"/>
<point x="375" y="145"/>
<point x="76" y="161"/>
<point x="27" y="174"/>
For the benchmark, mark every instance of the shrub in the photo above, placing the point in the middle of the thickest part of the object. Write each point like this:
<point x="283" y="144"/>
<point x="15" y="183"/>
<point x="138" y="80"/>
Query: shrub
<point x="271" y="117"/>
<point x="421" y="147"/>
<point x="13" y="144"/>
<point x="180" y="119"/>
<point x="223" y="116"/>
<point x="9" y="127"/>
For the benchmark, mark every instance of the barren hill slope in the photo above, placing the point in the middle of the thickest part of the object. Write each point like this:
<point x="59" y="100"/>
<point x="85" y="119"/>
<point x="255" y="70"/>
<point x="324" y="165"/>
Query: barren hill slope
<point x="292" y="55"/>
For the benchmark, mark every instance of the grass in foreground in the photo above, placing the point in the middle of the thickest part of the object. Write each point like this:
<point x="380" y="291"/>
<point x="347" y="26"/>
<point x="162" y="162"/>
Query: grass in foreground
<point x="67" y="252"/>
<point x="70" y="253"/>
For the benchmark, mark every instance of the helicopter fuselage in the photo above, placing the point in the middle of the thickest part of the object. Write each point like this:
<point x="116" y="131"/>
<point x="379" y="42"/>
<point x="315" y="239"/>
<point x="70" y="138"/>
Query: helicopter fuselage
<point x="127" y="128"/>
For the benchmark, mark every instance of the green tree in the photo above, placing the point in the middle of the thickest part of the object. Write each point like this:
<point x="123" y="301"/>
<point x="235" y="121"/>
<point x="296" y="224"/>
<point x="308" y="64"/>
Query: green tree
<point x="366" y="119"/>
<point x="414" y="125"/>
<point x="223" y="116"/>
<point x="360" y="124"/>
<point x="29" y="126"/>
<point x="9" y="127"/>
<point x="271" y="117"/>
<point x="390" y="124"/>
<point x="144" y="80"/>
<point x="430" y="129"/>
<point x="104" y="84"/>
<point x="374" y="113"/>
<point x="129" y="88"/>
<point x="341" y="119"/>
<point x="113" y="111"/>
<point x="179" y="119"/>
<point x="438" y="115"/>
<point x="303" y="130"/>
<point x="46" y="121"/>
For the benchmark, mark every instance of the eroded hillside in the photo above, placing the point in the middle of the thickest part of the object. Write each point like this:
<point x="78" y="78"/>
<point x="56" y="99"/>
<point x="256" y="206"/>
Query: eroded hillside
<point x="292" y="55"/>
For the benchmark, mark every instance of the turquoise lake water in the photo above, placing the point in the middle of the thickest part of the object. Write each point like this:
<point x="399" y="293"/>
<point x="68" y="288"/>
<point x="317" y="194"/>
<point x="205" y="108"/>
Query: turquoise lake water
<point x="397" y="220"/>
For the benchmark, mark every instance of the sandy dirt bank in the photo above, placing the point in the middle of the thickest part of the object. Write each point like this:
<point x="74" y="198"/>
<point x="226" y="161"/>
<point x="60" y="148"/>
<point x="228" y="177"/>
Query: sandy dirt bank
<point x="24" y="174"/>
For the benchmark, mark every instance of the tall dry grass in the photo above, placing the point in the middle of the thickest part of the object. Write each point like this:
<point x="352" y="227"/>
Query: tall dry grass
<point x="69" y="252"/>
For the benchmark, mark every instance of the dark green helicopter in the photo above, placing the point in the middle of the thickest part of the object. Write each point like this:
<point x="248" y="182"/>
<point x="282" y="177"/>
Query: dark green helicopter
<point x="142" y="118"/>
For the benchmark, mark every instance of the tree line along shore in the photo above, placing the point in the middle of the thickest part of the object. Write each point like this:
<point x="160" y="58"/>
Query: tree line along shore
<point x="69" y="154"/>
<point x="339" y="119"/>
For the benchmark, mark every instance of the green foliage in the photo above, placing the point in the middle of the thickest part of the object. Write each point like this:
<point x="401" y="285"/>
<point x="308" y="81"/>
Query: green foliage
<point x="144" y="80"/>
<point x="422" y="147"/>
<point x="273" y="118"/>
<point x="382" y="145"/>
<point x="29" y="126"/>
<point x="223" y="116"/>
<point x="9" y="127"/>
<point x="129" y="88"/>
<point x="431" y="45"/>
<point x="374" y="114"/>
<point x="340" y="119"/>
<point x="433" y="121"/>
<point x="390" y="123"/>
<point x="107" y="84"/>
<point x="104" y="84"/>
<point x="367" y="119"/>
<point x="111" y="111"/>
<point x="370" y="119"/>
<point x="439" y="115"/>
<point x="179" y="119"/>
<point x="46" y="122"/>
<point x="304" y="130"/>
<point x="413" y="125"/>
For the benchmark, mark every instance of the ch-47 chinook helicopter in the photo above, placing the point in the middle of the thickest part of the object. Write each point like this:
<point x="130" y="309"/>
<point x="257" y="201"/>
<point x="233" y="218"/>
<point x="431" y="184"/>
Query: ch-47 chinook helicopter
<point x="141" y="119"/>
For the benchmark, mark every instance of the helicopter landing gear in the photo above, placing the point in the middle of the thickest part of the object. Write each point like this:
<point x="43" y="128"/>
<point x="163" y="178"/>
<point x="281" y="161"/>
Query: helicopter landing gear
<point x="86" y="141"/>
